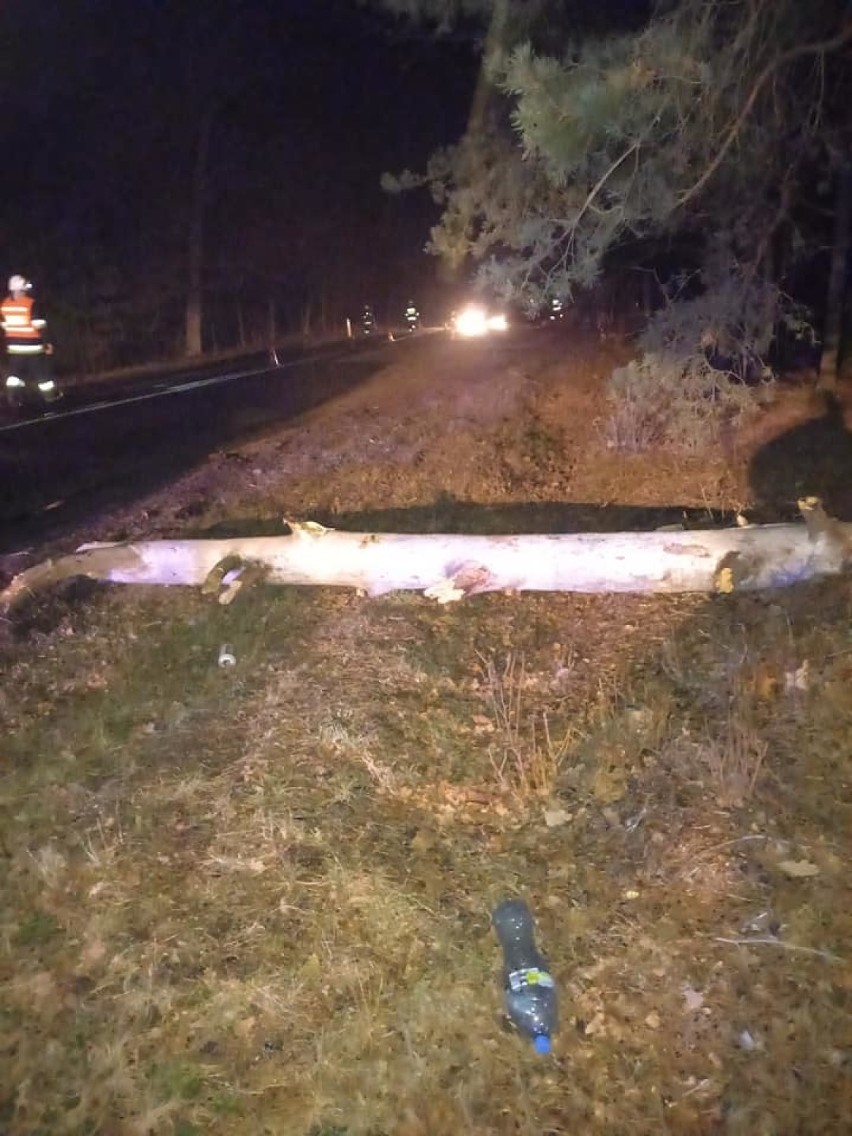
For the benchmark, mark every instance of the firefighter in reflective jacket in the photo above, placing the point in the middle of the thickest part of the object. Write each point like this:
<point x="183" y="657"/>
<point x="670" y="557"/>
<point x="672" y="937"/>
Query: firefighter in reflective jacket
<point x="412" y="316"/>
<point x="27" y="348"/>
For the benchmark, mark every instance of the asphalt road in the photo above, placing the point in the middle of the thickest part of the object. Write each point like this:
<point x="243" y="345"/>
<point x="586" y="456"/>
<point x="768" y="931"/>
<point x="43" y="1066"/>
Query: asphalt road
<point x="114" y="442"/>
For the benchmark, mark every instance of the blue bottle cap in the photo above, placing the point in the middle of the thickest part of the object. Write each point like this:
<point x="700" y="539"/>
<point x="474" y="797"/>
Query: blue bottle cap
<point x="541" y="1042"/>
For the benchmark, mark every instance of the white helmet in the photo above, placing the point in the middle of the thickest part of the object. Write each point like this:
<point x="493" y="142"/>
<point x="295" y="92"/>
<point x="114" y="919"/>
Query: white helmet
<point x="19" y="284"/>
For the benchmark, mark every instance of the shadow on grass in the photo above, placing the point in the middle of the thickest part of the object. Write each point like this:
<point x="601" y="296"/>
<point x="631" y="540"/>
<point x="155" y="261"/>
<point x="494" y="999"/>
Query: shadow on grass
<point x="811" y="459"/>
<point x="449" y="514"/>
<point x="42" y="613"/>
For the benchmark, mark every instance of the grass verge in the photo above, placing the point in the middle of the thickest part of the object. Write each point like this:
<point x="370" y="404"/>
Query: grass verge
<point x="257" y="899"/>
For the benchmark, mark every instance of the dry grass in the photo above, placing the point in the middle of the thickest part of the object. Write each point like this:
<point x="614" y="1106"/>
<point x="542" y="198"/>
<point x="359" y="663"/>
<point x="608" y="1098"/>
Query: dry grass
<point x="527" y="758"/>
<point x="258" y="899"/>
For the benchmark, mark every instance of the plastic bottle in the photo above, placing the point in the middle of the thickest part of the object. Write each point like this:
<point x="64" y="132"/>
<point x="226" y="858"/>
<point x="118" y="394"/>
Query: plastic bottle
<point x="530" y="992"/>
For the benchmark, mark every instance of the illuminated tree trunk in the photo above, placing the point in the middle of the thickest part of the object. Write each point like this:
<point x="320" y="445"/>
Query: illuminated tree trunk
<point x="451" y="567"/>
<point x="195" y="290"/>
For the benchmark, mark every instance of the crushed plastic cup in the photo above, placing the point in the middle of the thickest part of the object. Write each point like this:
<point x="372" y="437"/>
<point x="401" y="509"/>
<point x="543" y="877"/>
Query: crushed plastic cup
<point x="227" y="658"/>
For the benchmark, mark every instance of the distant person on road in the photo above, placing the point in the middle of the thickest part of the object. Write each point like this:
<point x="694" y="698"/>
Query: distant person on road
<point x="412" y="316"/>
<point x="27" y="347"/>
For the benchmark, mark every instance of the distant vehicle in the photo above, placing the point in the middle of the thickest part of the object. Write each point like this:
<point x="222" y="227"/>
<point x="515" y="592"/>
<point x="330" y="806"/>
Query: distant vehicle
<point x="476" y="320"/>
<point x="367" y="323"/>
<point x="556" y="309"/>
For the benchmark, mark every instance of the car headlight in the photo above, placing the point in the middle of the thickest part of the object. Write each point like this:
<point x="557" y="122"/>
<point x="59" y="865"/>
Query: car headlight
<point x="14" y="381"/>
<point x="46" y="386"/>
<point x="475" y="320"/>
<point x="471" y="321"/>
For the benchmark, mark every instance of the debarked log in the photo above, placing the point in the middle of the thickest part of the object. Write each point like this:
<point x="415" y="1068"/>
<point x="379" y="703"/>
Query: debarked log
<point x="451" y="566"/>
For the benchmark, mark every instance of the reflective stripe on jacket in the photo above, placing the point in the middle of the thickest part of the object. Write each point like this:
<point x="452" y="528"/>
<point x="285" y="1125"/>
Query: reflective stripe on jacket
<point x="24" y="330"/>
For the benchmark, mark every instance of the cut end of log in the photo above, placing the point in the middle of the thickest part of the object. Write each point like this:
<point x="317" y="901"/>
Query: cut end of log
<point x="832" y="535"/>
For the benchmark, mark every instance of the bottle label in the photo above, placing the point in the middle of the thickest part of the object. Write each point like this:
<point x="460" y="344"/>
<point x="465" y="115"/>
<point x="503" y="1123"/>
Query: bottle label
<point x="520" y="979"/>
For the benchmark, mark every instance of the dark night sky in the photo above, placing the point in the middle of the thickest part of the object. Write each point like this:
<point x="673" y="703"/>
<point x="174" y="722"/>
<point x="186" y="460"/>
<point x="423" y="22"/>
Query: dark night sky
<point x="313" y="100"/>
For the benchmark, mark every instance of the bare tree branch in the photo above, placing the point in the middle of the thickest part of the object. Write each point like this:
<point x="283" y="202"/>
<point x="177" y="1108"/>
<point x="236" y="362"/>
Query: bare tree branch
<point x="822" y="47"/>
<point x="603" y="179"/>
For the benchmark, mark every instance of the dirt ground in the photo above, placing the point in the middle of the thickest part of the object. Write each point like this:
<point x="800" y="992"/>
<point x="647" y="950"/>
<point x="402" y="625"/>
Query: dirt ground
<point x="256" y="899"/>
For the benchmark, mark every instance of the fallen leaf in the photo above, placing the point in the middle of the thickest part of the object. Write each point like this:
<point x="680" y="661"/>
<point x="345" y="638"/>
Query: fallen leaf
<point x="609" y="785"/>
<point x="554" y="818"/>
<point x="798" y="869"/>
<point x="595" y="1026"/>
<point x="693" y="998"/>
<point x="311" y="968"/>
<point x="766" y="683"/>
<point x="639" y="717"/>
<point x="797" y="679"/>
<point x="422" y="841"/>
<point x="92" y="953"/>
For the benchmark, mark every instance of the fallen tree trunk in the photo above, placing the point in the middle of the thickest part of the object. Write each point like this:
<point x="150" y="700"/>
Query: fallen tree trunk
<point x="449" y="567"/>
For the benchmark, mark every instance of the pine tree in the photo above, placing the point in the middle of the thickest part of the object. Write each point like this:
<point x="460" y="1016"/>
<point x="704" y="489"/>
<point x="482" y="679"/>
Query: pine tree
<point x="706" y="126"/>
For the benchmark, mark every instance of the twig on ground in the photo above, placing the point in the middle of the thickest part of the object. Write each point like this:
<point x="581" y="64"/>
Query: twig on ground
<point x="770" y="941"/>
